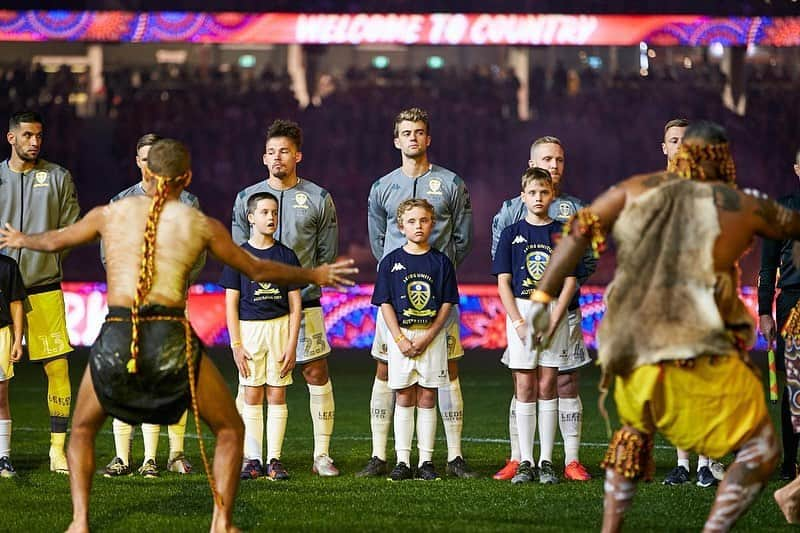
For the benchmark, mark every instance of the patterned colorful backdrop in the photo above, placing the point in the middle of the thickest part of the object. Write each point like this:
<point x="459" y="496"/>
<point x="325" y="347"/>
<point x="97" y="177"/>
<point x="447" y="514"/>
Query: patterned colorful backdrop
<point x="349" y="316"/>
<point x="436" y="28"/>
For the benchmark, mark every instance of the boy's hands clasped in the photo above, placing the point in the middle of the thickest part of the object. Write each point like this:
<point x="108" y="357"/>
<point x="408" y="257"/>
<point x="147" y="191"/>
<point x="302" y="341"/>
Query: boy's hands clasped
<point x="416" y="347"/>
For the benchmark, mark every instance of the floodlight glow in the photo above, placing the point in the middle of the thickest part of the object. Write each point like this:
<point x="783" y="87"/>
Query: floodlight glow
<point x="247" y="61"/>
<point x="435" y="62"/>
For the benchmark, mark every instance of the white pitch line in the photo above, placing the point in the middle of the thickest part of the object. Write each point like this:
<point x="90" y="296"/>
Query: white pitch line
<point x="359" y="438"/>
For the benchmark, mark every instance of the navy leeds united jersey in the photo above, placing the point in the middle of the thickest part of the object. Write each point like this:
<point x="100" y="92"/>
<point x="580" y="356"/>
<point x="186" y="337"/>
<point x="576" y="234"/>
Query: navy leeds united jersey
<point x="12" y="288"/>
<point x="524" y="251"/>
<point x="261" y="300"/>
<point x="415" y="285"/>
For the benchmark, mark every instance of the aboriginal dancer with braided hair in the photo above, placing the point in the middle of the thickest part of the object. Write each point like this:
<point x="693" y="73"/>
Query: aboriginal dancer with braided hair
<point x="147" y="364"/>
<point x="675" y="334"/>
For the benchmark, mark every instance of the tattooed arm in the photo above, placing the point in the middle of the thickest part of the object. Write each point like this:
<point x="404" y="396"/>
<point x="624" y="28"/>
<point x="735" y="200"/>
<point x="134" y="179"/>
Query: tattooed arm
<point x="769" y="218"/>
<point x="571" y="247"/>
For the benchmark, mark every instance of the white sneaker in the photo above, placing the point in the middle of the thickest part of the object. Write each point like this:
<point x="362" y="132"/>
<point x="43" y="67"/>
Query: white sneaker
<point x="323" y="466"/>
<point x="717" y="470"/>
<point x="58" y="462"/>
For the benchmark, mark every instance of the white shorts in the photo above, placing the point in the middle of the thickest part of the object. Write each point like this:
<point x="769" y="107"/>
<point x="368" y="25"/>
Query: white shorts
<point x="312" y="343"/>
<point x="577" y="354"/>
<point x="452" y="328"/>
<point x="518" y="356"/>
<point x="265" y="341"/>
<point x="429" y="369"/>
<point x="6" y="366"/>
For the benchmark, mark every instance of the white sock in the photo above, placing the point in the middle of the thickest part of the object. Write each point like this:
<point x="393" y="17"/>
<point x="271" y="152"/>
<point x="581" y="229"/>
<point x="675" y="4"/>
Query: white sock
<point x="570" y="420"/>
<point x="5" y="438"/>
<point x="403" y="433"/>
<point x="381" y="404"/>
<point x="122" y="440"/>
<point x="513" y="431"/>
<point x="548" y="420"/>
<point x="426" y="433"/>
<point x="253" y="432"/>
<point x="240" y="400"/>
<point x="702" y="461"/>
<point x="150" y="434"/>
<point x="451" y="405"/>
<point x="684" y="463"/>
<point x="277" y="415"/>
<point x="526" y="422"/>
<point x="176" y="433"/>
<point x="322" y="414"/>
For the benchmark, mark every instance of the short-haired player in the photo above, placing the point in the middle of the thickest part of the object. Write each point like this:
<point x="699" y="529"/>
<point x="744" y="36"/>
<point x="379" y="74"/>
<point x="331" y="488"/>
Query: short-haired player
<point x="264" y="324"/>
<point x="416" y="289"/>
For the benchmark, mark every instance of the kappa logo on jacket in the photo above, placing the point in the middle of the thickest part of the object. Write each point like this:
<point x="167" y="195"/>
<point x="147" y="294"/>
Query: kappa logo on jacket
<point x="397" y="267"/>
<point x="519" y="239"/>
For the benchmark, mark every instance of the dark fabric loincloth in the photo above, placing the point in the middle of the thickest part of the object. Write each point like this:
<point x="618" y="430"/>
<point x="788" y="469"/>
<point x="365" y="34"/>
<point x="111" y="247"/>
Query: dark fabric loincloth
<point x="158" y="393"/>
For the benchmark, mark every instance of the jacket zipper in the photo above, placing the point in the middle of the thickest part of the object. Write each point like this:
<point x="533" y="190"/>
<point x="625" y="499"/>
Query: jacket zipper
<point x="21" y="210"/>
<point x="280" y="220"/>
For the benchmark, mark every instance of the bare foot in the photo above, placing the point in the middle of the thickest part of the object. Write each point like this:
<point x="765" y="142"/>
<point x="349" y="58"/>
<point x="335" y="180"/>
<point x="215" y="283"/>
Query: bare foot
<point x="787" y="499"/>
<point x="217" y="528"/>
<point x="221" y="525"/>
<point x="78" y="527"/>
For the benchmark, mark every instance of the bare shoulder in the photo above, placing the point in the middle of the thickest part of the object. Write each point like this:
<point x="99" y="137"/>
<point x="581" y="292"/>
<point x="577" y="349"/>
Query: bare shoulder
<point x="213" y="224"/>
<point x="727" y="198"/>
<point x="97" y="216"/>
<point x="650" y="180"/>
<point x="214" y="230"/>
<point x="637" y="185"/>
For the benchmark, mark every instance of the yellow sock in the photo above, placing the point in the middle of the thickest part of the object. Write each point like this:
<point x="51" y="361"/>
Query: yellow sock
<point x="176" y="434"/>
<point x="57" y="440"/>
<point x="59" y="393"/>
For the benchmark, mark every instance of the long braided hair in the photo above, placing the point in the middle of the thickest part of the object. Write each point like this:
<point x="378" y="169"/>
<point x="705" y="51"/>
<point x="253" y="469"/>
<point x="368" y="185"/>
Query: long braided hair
<point x="180" y="174"/>
<point x="168" y="164"/>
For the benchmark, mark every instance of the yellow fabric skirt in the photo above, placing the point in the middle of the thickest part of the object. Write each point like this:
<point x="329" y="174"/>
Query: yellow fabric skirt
<point x="710" y="406"/>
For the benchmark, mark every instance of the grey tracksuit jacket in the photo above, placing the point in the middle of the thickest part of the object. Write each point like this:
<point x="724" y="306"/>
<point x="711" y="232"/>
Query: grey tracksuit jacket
<point x="41" y="199"/>
<point x="307" y="224"/>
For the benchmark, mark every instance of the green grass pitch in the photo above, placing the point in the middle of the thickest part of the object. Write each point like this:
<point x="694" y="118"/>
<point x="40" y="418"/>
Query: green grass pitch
<point x="37" y="500"/>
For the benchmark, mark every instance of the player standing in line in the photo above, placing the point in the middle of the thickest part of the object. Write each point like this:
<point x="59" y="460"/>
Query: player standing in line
<point x="263" y="323"/>
<point x="309" y="227"/>
<point x="36" y="196"/>
<point x="415" y="289"/>
<point x="12" y="323"/>
<point x="451" y="235"/>
<point x="123" y="433"/>
<point x="548" y="153"/>
<point x="148" y="365"/>
<point x="521" y="257"/>
<point x="776" y="257"/>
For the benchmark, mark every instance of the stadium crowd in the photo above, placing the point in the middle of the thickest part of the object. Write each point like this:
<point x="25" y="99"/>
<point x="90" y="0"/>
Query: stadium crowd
<point x="222" y="115"/>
